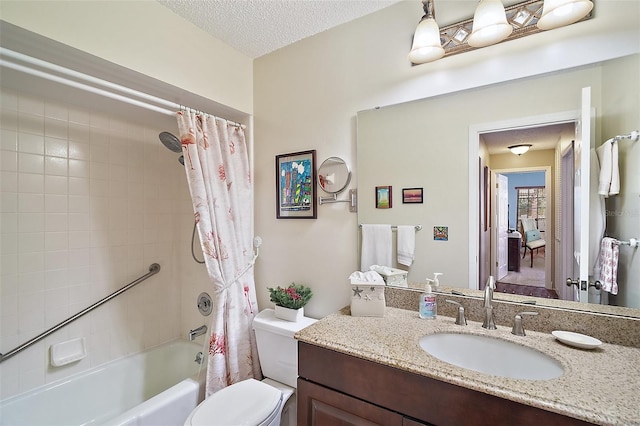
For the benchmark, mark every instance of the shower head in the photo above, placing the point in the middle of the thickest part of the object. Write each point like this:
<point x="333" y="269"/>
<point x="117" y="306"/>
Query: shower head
<point x="170" y="141"/>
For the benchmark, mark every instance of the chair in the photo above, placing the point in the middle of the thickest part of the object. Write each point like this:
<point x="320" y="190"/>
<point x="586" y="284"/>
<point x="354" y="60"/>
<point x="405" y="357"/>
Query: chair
<point x="532" y="238"/>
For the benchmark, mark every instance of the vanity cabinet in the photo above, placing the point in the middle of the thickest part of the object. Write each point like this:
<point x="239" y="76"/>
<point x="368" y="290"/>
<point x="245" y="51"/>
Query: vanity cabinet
<point x="336" y="388"/>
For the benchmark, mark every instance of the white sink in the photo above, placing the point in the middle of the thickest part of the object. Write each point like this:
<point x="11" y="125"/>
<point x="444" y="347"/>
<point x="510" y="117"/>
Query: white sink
<point x="491" y="356"/>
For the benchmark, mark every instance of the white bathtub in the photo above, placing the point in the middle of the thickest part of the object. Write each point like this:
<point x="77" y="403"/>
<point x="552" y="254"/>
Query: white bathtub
<point x="160" y="386"/>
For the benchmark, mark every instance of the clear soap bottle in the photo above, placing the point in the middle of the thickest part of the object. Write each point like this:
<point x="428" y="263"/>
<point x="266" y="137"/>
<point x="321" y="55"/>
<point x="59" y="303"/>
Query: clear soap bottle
<point x="428" y="306"/>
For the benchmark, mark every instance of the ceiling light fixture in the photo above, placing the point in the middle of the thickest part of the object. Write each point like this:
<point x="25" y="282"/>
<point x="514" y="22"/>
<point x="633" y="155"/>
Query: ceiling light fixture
<point x="492" y="23"/>
<point x="520" y="148"/>
<point x="426" y="46"/>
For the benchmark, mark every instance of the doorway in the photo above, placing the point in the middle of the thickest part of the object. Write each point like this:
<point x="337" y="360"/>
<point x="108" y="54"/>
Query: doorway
<point x="483" y="250"/>
<point x="528" y="195"/>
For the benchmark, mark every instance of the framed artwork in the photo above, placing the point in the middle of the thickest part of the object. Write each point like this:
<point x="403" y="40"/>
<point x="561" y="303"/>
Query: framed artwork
<point x="296" y="185"/>
<point x="383" y="197"/>
<point x="411" y="195"/>
<point x="441" y="233"/>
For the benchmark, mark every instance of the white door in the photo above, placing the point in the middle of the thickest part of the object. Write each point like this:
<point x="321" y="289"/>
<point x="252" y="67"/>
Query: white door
<point x="502" y="221"/>
<point x="582" y="150"/>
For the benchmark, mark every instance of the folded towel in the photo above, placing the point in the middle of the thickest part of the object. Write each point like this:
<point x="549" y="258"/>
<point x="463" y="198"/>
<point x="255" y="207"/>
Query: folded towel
<point x="609" y="251"/>
<point x="376" y="246"/>
<point x="406" y="244"/>
<point x="609" y="179"/>
<point x="372" y="277"/>
<point x="381" y="269"/>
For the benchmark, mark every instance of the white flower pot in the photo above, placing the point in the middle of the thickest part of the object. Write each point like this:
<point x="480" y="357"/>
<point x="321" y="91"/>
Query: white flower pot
<point x="288" y="314"/>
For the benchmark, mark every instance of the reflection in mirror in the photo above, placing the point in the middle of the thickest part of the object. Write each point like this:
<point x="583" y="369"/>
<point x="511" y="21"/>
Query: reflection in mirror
<point x="425" y="143"/>
<point x="333" y="175"/>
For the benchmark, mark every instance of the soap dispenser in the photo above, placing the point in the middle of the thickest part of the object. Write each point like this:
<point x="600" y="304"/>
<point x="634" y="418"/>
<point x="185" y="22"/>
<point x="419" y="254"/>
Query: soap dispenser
<point x="436" y="282"/>
<point x="428" y="306"/>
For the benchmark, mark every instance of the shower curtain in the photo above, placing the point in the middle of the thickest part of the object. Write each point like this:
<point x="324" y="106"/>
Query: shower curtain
<point x="217" y="166"/>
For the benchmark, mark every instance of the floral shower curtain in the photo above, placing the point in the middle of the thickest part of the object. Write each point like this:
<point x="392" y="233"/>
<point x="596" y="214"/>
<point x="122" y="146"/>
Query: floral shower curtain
<point x="217" y="166"/>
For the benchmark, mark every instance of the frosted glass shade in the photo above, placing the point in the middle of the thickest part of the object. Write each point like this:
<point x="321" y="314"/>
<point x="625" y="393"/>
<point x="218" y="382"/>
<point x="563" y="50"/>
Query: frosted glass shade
<point x="426" y="45"/>
<point x="490" y="24"/>
<point x="519" y="149"/>
<point x="558" y="13"/>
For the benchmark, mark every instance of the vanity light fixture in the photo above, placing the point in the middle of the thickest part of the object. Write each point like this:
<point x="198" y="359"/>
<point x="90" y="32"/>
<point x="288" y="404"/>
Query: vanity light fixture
<point x="520" y="148"/>
<point x="492" y="23"/>
<point x="558" y="13"/>
<point x="426" y="46"/>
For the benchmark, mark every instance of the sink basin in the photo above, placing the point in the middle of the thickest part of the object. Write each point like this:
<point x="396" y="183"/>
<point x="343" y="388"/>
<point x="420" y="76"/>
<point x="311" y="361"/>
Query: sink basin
<point x="491" y="356"/>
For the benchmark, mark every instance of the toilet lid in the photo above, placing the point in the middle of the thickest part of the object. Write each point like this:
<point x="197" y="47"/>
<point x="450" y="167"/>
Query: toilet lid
<point x="248" y="403"/>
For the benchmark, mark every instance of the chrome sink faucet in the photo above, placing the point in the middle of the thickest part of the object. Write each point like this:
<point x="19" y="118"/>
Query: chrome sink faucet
<point x="488" y="322"/>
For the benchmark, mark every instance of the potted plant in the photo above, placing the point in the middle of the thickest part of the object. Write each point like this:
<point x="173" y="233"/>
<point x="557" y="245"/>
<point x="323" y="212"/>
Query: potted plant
<point x="290" y="301"/>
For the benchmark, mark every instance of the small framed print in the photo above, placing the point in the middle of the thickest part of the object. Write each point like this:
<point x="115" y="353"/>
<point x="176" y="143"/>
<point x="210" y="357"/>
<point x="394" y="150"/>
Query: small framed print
<point x="411" y="195"/>
<point x="383" y="197"/>
<point x="441" y="233"/>
<point x="296" y="185"/>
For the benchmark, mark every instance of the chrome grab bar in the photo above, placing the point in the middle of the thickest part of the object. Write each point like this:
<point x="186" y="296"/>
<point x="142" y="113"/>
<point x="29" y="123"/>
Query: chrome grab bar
<point x="154" y="268"/>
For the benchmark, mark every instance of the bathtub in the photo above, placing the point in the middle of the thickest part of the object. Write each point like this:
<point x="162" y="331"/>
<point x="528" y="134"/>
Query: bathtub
<point x="160" y="386"/>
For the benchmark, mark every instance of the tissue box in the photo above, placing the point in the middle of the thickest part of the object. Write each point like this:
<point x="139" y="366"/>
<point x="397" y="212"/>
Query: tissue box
<point x="367" y="300"/>
<point x="396" y="278"/>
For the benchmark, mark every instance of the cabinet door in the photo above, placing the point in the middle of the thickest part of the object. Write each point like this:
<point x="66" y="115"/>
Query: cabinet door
<point x="320" y="406"/>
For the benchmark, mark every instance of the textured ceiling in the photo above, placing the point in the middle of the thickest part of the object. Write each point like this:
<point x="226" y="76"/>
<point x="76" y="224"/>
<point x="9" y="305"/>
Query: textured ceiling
<point x="258" y="27"/>
<point x="544" y="137"/>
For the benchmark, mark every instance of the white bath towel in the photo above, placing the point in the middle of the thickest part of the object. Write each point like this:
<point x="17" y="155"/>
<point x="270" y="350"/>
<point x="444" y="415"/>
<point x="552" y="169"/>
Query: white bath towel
<point x="609" y="252"/>
<point x="376" y="246"/>
<point x="406" y="244"/>
<point x="609" y="182"/>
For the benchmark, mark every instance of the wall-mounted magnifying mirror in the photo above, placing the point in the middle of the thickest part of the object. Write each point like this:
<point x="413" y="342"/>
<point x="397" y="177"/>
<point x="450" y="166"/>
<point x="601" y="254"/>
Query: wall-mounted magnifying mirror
<point x="334" y="175"/>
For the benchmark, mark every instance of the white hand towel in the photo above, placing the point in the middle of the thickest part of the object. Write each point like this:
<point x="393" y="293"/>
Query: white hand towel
<point x="406" y="244"/>
<point x="609" y="182"/>
<point x="609" y="252"/>
<point x="376" y="246"/>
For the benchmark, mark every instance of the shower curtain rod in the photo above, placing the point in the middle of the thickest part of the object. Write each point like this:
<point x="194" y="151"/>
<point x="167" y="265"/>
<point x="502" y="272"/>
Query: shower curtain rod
<point x="93" y="82"/>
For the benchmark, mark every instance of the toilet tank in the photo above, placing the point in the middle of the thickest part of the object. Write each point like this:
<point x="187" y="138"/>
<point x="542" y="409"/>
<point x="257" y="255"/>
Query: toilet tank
<point x="277" y="348"/>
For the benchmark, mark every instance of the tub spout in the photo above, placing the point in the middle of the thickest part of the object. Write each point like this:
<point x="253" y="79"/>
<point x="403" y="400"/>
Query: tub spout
<point x="197" y="332"/>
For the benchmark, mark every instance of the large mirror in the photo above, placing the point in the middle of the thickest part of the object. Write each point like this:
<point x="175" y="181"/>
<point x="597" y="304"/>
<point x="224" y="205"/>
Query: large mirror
<point x="426" y="144"/>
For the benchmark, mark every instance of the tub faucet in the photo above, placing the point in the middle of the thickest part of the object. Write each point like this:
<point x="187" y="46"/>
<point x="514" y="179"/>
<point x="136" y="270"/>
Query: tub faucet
<point x="488" y="322"/>
<point x="197" y="332"/>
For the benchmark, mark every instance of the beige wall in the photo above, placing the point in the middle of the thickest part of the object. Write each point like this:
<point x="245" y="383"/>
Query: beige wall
<point x="146" y="37"/>
<point x="621" y="109"/>
<point x="307" y="96"/>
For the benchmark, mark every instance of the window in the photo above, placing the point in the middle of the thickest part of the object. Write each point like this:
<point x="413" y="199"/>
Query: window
<point x="531" y="202"/>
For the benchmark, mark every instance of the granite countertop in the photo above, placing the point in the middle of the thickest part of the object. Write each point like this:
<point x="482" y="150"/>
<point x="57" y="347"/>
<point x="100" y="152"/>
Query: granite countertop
<point x="600" y="386"/>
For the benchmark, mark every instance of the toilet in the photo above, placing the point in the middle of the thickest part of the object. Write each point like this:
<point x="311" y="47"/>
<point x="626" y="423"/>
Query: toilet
<point x="270" y="402"/>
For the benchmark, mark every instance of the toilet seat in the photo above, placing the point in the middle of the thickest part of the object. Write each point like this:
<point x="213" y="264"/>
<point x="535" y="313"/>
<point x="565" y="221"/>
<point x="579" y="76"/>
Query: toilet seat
<point x="246" y="403"/>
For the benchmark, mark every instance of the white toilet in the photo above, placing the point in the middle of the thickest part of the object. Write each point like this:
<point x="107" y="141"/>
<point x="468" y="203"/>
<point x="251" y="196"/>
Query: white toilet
<point x="270" y="402"/>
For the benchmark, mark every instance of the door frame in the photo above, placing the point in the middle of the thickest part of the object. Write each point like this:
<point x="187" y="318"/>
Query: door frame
<point x="548" y="234"/>
<point x="475" y="130"/>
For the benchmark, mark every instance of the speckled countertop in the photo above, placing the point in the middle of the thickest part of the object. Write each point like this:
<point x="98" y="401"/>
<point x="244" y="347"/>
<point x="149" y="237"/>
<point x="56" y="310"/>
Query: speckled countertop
<point x="601" y="385"/>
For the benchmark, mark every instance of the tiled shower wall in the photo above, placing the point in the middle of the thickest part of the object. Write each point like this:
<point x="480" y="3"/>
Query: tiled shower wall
<point x="88" y="202"/>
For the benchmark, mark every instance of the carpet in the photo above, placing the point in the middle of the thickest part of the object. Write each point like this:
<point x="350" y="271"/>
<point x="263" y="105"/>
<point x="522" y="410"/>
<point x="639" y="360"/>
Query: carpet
<point x="528" y="276"/>
<point x="526" y="290"/>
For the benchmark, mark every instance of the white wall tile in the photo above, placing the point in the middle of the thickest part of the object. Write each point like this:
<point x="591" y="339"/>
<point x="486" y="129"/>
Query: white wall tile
<point x="30" y="203"/>
<point x="9" y="202"/>
<point x="8" y="140"/>
<point x="30" y="123"/>
<point x="31" y="105"/>
<point x="56" y="147"/>
<point x="79" y="186"/>
<point x="79" y="168"/>
<point x="32" y="144"/>
<point x="31" y="183"/>
<point x="56" y="185"/>
<point x="54" y="203"/>
<point x="9" y="161"/>
<point x="30" y="163"/>
<point x="56" y="128"/>
<point x="30" y="242"/>
<point x="79" y="150"/>
<point x="56" y="166"/>
<point x="8" y="181"/>
<point x="56" y="222"/>
<point x="28" y="222"/>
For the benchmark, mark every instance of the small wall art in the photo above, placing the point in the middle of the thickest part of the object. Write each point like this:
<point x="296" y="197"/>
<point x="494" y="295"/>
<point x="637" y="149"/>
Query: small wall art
<point x="383" y="197"/>
<point x="411" y="195"/>
<point x="296" y="185"/>
<point x="441" y="233"/>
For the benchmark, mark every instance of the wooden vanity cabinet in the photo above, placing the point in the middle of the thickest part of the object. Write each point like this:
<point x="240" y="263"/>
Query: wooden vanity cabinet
<point x="339" y="389"/>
